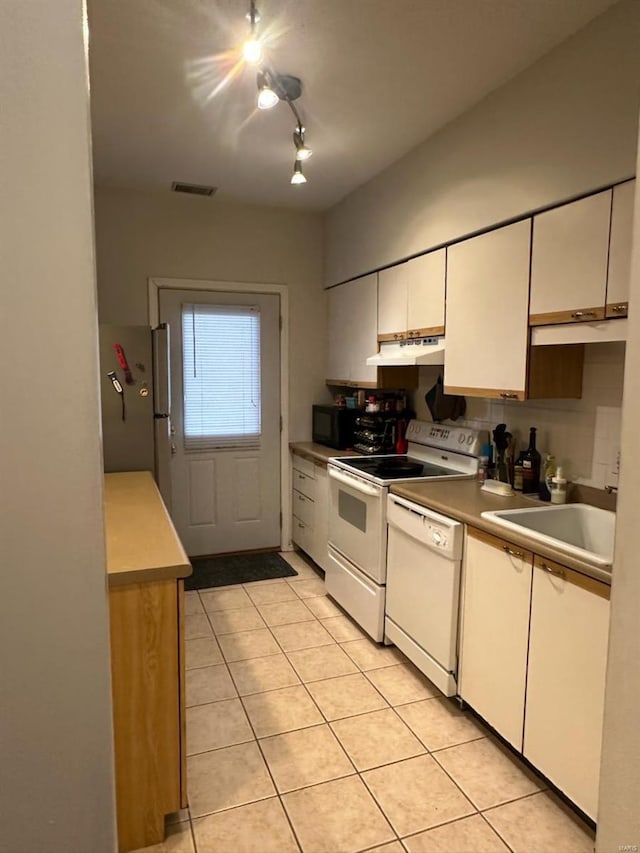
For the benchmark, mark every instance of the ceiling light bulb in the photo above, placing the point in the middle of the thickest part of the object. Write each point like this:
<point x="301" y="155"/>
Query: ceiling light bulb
<point x="303" y="152"/>
<point x="267" y="98"/>
<point x="298" y="177"/>
<point x="252" y="51"/>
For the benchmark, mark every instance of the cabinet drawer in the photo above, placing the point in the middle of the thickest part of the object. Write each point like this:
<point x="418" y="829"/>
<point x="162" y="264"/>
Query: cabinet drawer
<point x="304" y="483"/>
<point x="303" y="507"/>
<point x="302" y="535"/>
<point x="304" y="465"/>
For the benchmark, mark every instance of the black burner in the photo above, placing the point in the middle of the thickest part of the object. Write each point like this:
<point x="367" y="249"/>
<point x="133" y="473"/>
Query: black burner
<point x="398" y="468"/>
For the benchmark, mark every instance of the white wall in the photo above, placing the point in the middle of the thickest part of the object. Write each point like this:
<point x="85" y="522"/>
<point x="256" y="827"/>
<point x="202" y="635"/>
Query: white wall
<point x="619" y="808"/>
<point x="583" y="435"/>
<point x="566" y="125"/>
<point x="56" y="766"/>
<point x="141" y="234"/>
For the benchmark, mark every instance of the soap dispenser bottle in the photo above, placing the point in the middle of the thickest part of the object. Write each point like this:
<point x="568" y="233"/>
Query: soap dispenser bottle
<point x="559" y="487"/>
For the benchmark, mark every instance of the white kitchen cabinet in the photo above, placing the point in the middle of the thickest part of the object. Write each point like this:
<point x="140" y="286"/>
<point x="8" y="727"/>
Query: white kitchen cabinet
<point x="487" y="308"/>
<point x="310" y="507"/>
<point x="620" y="249"/>
<point x="488" y="352"/>
<point x="411" y="298"/>
<point x="426" y="294"/>
<point x="495" y="631"/>
<point x="566" y="680"/>
<point x="392" y="303"/>
<point x="569" y="261"/>
<point x="353" y="311"/>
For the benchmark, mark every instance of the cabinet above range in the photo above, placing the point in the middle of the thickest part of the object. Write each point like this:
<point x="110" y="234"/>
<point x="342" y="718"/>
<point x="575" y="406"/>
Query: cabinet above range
<point x="411" y="298"/>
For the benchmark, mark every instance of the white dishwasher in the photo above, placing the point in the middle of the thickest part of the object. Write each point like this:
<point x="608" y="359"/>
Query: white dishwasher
<point x="423" y="588"/>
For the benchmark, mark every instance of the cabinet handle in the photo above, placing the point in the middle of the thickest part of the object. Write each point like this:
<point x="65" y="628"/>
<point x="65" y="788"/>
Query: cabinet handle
<point x="518" y="554"/>
<point x="301" y="526"/>
<point x="506" y="396"/>
<point x="559" y="573"/>
<point x="579" y="315"/>
<point x="619" y="309"/>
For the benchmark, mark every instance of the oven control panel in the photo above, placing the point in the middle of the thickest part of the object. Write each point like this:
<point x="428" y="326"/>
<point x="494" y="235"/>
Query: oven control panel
<point x="458" y="439"/>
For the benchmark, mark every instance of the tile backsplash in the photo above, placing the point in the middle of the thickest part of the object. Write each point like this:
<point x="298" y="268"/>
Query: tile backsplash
<point x="583" y="435"/>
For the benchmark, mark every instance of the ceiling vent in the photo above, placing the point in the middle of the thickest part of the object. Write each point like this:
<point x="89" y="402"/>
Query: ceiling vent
<point x="192" y="189"/>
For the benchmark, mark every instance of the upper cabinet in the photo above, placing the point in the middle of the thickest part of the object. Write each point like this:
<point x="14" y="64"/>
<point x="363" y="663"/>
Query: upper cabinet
<point x="620" y="250"/>
<point x="487" y="350"/>
<point x="353" y="309"/>
<point x="411" y="298"/>
<point x="569" y="261"/>
<point x="487" y="307"/>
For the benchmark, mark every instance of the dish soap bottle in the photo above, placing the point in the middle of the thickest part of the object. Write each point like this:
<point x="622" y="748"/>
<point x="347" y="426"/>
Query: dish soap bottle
<point x="558" y="487"/>
<point x="531" y="466"/>
<point x="545" y="479"/>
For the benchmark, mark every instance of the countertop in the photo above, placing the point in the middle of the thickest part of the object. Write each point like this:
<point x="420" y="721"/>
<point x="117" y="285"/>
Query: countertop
<point x="464" y="501"/>
<point x="142" y="543"/>
<point x="319" y="452"/>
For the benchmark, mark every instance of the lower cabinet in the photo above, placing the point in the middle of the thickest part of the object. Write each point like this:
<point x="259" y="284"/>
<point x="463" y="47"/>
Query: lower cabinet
<point x="533" y="659"/>
<point x="566" y="678"/>
<point x="310" y="507"/>
<point x="147" y="678"/>
<point x="495" y="632"/>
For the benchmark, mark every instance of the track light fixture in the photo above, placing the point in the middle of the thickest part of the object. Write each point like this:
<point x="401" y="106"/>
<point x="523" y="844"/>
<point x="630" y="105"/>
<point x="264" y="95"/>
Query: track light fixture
<point x="303" y="152"/>
<point x="267" y="97"/>
<point x="298" y="177"/>
<point x="274" y="87"/>
<point x="252" y="48"/>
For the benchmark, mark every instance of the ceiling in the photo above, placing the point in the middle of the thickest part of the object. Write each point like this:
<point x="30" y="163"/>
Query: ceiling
<point x="379" y="77"/>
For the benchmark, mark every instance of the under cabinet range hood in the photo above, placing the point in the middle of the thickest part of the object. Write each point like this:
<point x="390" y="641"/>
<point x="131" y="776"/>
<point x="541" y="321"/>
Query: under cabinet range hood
<point x="401" y="353"/>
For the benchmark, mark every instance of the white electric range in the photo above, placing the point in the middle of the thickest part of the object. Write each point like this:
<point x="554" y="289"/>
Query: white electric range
<point x="358" y="487"/>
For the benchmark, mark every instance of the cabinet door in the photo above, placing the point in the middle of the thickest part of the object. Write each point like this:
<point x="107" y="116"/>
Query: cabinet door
<point x="425" y="294"/>
<point x="495" y="630"/>
<point x="487" y="314"/>
<point x="620" y="249"/>
<point x="565" y="686"/>
<point x="321" y="517"/>
<point x="569" y="261"/>
<point x="392" y="303"/>
<point x="339" y="342"/>
<point x="361" y="328"/>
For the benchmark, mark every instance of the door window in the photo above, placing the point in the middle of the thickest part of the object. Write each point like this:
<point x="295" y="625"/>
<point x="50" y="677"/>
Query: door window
<point x="221" y="376"/>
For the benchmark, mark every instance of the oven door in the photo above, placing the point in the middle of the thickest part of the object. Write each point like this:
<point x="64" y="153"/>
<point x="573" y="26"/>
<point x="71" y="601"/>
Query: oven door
<point x="358" y="522"/>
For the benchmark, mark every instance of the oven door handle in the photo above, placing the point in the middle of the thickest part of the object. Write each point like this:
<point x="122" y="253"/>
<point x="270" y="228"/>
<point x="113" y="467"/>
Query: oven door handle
<point x="352" y="482"/>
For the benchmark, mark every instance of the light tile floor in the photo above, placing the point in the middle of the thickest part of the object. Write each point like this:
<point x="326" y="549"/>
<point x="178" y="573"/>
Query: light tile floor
<point x="303" y="735"/>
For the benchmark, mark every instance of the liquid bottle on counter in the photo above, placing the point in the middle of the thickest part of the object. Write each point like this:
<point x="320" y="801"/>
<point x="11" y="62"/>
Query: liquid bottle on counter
<point x="531" y="466"/>
<point x="518" y="473"/>
<point x="559" y="487"/>
<point x="546" y="475"/>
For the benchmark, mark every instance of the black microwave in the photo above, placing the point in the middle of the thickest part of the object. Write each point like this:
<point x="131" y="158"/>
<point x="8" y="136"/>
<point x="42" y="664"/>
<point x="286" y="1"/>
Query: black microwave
<point x="333" y="426"/>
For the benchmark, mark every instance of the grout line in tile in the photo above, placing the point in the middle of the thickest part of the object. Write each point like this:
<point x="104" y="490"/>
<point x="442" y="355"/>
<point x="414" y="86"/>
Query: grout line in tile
<point x="504" y="841"/>
<point x="266" y="763"/>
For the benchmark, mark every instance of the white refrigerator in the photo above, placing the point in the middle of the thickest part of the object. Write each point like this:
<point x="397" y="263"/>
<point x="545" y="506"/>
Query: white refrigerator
<point x="135" y="395"/>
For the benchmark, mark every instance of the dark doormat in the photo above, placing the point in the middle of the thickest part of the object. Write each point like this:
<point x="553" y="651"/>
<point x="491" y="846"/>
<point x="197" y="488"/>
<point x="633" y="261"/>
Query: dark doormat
<point x="237" y="568"/>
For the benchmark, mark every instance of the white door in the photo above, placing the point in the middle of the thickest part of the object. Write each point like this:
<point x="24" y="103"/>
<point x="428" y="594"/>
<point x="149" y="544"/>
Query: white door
<point x="225" y="419"/>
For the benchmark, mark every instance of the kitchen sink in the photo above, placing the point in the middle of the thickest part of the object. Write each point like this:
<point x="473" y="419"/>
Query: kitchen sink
<point x="580" y="530"/>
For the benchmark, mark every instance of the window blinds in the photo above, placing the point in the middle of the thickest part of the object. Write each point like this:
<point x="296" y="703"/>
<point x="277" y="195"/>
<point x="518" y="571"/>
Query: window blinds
<point x="221" y="376"/>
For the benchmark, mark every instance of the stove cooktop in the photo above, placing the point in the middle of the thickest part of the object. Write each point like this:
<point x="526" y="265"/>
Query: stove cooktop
<point x="396" y="467"/>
